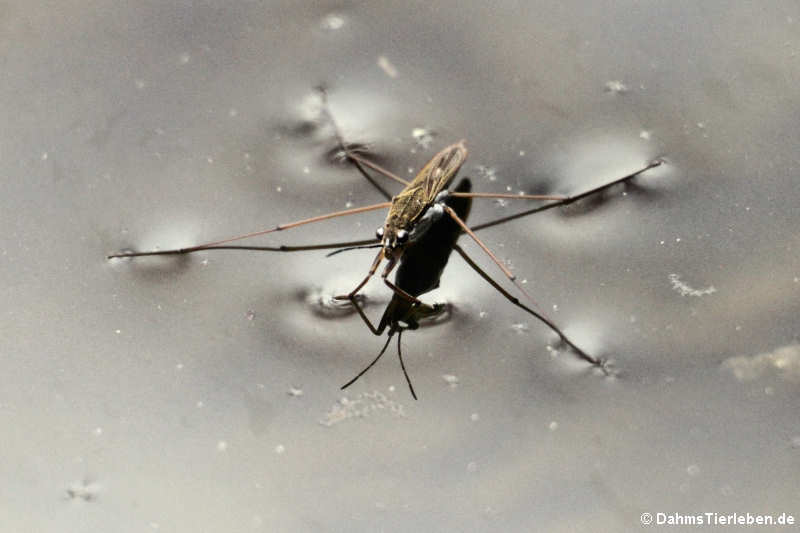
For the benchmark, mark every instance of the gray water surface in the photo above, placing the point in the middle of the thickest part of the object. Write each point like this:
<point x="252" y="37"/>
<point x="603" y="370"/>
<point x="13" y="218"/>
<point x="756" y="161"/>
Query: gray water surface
<point x="201" y="393"/>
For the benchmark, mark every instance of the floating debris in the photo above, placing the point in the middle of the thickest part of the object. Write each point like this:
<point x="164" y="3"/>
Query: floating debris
<point x="423" y="137"/>
<point x="332" y="22"/>
<point x="387" y="66"/>
<point x="451" y="380"/>
<point x="616" y="86"/>
<point x="685" y="290"/>
<point x="784" y="361"/>
<point x="361" y="406"/>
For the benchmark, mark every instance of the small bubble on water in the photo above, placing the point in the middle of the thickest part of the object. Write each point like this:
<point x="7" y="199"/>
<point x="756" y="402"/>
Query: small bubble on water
<point x="616" y="86"/>
<point x="520" y="328"/>
<point x="552" y="426"/>
<point x="387" y="67"/>
<point x="348" y="204"/>
<point x="423" y="137"/>
<point x="332" y="22"/>
<point x="280" y="448"/>
<point x="450" y="379"/>
<point x="693" y="470"/>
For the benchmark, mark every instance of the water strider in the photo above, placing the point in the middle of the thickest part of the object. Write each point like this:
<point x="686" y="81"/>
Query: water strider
<point x="413" y="213"/>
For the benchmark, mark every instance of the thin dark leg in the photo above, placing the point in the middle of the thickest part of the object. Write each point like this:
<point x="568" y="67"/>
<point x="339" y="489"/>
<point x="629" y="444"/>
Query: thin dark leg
<point x="375" y="331"/>
<point x="356" y="160"/>
<point x="279" y="227"/>
<point x="281" y="248"/>
<point x="449" y="210"/>
<point x="567" y="200"/>
<point x="601" y="364"/>
<point x="388" y="340"/>
<point x="372" y="269"/>
<point x="403" y="366"/>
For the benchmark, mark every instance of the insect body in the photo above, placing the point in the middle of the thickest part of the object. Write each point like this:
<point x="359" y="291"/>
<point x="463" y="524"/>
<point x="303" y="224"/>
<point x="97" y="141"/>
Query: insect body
<point x="419" y="272"/>
<point x="416" y="237"/>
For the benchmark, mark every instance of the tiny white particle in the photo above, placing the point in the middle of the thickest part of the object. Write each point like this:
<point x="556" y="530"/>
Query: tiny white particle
<point x="522" y="153"/>
<point x="250" y="314"/>
<point x="279" y="449"/>
<point x="98" y="431"/>
<point x="295" y="391"/>
<point x="210" y="159"/>
<point x="388" y="68"/>
<point x="232" y="112"/>
<point x="140" y="84"/>
<point x="472" y="466"/>
<point x="692" y="470"/>
<point x="391" y="388"/>
<point x="179" y="366"/>
<point x="616" y="86"/>
<point x="474" y="417"/>
<point x="222" y="446"/>
<point x="450" y="379"/>
<point x="348" y="204"/>
<point x="644" y="134"/>
<point x="552" y="426"/>
<point x="184" y="58"/>
<point x="44" y="156"/>
<point x="117" y="331"/>
<point x="278" y="188"/>
<point x="482" y="314"/>
<point x="199" y="404"/>
<point x="332" y="22"/>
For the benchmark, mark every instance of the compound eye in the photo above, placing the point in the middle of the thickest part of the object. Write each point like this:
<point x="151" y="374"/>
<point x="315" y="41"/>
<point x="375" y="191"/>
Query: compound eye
<point x="402" y="236"/>
<point x="379" y="232"/>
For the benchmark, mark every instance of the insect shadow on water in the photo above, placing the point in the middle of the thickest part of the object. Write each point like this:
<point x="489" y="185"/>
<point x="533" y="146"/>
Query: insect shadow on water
<point x="420" y="208"/>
